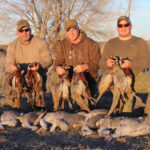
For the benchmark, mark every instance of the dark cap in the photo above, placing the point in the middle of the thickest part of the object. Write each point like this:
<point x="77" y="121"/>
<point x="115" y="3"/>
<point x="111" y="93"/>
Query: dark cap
<point x="123" y="18"/>
<point x="70" y="24"/>
<point x="21" y="24"/>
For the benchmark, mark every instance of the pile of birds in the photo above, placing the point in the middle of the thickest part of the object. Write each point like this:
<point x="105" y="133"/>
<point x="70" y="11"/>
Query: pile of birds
<point x="72" y="86"/>
<point x="121" y="82"/>
<point x="28" y="81"/>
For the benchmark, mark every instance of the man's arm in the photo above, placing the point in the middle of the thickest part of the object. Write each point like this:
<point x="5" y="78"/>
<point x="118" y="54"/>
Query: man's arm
<point x="105" y="61"/>
<point x="10" y="59"/>
<point x="60" y="60"/>
<point x="94" y="56"/>
<point x="143" y="60"/>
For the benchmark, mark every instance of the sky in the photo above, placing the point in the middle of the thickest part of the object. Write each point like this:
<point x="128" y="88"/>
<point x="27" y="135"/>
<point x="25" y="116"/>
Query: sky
<point x="140" y="18"/>
<point x="139" y="14"/>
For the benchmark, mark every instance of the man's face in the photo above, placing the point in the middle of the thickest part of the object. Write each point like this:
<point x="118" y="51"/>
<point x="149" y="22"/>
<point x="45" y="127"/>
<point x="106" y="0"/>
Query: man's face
<point x="124" y="29"/>
<point x="24" y="34"/>
<point x="73" y="34"/>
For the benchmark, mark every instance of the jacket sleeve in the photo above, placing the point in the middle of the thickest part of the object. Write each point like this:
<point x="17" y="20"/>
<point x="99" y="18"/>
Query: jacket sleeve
<point x="10" y="58"/>
<point x="60" y="59"/>
<point x="94" y="56"/>
<point x="45" y="55"/>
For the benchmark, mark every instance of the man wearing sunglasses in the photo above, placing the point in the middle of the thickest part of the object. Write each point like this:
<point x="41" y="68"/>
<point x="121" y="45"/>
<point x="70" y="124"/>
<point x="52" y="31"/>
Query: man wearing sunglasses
<point x="26" y="49"/>
<point x="136" y="49"/>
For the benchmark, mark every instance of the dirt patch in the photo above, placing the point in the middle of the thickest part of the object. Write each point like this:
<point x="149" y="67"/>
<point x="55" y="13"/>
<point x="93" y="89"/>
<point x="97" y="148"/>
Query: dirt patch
<point x="23" y="139"/>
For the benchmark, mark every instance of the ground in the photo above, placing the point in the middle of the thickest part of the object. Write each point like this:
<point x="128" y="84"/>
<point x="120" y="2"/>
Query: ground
<point x="18" y="138"/>
<point x="24" y="139"/>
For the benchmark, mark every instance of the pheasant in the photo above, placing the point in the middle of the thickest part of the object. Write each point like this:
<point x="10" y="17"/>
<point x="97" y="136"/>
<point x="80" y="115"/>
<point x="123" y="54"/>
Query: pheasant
<point x="60" y="91"/>
<point x="120" y="81"/>
<point x="34" y="85"/>
<point x="80" y="92"/>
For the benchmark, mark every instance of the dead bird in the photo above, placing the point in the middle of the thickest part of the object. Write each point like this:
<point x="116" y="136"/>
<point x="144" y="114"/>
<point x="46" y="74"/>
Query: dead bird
<point x="33" y="86"/>
<point x="80" y="92"/>
<point x="119" y="81"/>
<point x="16" y="83"/>
<point x="60" y="91"/>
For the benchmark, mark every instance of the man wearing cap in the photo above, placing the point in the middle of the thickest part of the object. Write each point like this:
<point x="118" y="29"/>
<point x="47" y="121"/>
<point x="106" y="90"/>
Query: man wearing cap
<point x="79" y="51"/>
<point x="26" y="49"/>
<point x="136" y="49"/>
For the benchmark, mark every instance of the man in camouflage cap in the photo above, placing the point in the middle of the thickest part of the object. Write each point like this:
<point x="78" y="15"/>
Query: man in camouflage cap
<point x="136" y="49"/>
<point x="27" y="49"/>
<point x="80" y="51"/>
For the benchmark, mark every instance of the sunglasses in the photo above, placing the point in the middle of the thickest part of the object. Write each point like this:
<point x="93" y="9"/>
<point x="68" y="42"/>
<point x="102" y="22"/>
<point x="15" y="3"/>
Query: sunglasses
<point x="26" y="30"/>
<point x="123" y="25"/>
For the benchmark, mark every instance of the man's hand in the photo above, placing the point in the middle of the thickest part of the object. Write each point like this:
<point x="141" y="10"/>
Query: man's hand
<point x="35" y="67"/>
<point x="14" y="68"/>
<point x="110" y="63"/>
<point x="126" y="64"/>
<point x="81" y="68"/>
<point x="60" y="70"/>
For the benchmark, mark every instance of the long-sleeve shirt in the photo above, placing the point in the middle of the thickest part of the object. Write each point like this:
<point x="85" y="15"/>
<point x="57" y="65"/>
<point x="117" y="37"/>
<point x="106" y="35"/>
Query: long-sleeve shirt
<point x="136" y="49"/>
<point x="36" y="51"/>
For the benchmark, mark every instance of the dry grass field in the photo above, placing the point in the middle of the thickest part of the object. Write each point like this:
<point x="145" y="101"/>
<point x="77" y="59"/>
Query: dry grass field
<point x="18" y="138"/>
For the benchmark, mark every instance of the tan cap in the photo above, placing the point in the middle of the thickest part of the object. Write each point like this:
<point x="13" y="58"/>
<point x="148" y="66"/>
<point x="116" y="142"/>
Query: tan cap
<point x="70" y="24"/>
<point x="124" y="18"/>
<point x="22" y="23"/>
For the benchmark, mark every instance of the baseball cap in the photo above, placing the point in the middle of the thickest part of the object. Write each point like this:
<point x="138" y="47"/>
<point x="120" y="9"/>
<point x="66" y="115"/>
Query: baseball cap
<point x="70" y="24"/>
<point x="22" y="23"/>
<point x="124" y="18"/>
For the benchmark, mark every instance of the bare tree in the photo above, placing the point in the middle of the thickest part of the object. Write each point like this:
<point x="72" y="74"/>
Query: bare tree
<point x="47" y="16"/>
<point x="129" y="8"/>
